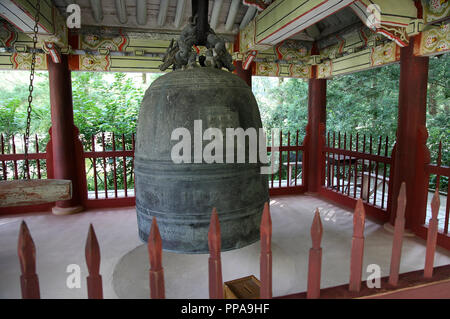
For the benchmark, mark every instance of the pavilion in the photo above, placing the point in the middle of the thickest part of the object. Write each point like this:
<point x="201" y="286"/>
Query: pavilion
<point x="314" y="40"/>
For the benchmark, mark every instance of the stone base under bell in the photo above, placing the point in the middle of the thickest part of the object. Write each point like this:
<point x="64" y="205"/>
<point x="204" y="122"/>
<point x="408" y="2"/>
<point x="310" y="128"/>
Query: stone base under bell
<point x="186" y="275"/>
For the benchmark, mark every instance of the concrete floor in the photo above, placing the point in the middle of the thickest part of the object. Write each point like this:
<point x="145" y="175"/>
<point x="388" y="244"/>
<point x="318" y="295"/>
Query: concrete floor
<point x="60" y="242"/>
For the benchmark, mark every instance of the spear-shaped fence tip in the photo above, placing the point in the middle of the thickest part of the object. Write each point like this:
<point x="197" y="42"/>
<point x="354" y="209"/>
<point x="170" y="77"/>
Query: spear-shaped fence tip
<point x="92" y="252"/>
<point x="26" y="250"/>
<point x="156" y="272"/>
<point x="29" y="281"/>
<point x="435" y="203"/>
<point x="155" y="246"/>
<point x="316" y="230"/>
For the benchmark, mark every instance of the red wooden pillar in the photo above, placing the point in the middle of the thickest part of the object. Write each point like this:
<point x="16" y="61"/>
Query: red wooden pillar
<point x="317" y="101"/>
<point x="411" y="117"/>
<point x="245" y="75"/>
<point x="63" y="134"/>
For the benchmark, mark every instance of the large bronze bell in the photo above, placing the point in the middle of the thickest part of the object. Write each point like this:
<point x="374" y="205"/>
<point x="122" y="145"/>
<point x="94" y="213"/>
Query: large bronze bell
<point x="181" y="196"/>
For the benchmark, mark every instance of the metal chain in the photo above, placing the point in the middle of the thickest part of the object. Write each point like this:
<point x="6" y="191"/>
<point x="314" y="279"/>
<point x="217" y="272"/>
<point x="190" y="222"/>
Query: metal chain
<point x="30" y="89"/>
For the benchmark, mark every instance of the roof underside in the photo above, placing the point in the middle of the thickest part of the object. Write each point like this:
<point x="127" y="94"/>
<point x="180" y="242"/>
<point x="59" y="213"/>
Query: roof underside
<point x="165" y="19"/>
<point x="117" y="35"/>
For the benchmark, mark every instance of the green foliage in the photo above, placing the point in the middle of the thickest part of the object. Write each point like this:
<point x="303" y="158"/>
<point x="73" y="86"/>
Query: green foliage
<point x="14" y="103"/>
<point x="364" y="102"/>
<point x="119" y="105"/>
<point x="283" y="105"/>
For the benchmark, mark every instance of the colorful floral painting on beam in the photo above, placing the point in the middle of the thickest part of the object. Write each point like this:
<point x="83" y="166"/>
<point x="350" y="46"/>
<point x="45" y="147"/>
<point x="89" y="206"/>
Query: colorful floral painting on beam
<point x="435" y="40"/>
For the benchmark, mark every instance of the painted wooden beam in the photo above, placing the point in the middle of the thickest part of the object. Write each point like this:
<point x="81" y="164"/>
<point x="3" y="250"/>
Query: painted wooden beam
<point x="141" y="12"/>
<point x="282" y="70"/>
<point x="234" y="8"/>
<point x="386" y="12"/>
<point x="21" y="14"/>
<point x="51" y="27"/>
<point x="283" y="19"/>
<point x="434" y="40"/>
<point x="395" y="20"/>
<point x="435" y="11"/>
<point x="215" y="14"/>
<point x="180" y="13"/>
<point x="32" y="192"/>
<point x="362" y="60"/>
<point x="389" y="18"/>
<point x="121" y="11"/>
<point x="97" y="10"/>
<point x="162" y="14"/>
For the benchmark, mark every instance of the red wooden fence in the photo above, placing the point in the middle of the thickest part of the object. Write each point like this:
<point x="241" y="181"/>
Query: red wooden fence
<point x="358" y="167"/>
<point x="214" y="262"/>
<point x="399" y="230"/>
<point x="27" y="256"/>
<point x="110" y="173"/>
<point x="315" y="258"/>
<point x="432" y="283"/>
<point x="12" y="162"/>
<point x="266" y="254"/>
<point x="287" y="175"/>
<point x="354" y="167"/>
<point x="356" y="259"/>
<point x="106" y="166"/>
<point x="156" y="272"/>
<point x="442" y="236"/>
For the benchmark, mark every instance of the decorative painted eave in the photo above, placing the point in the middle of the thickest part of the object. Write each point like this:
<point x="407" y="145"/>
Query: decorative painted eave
<point x="51" y="27"/>
<point x="435" y="37"/>
<point x="435" y="11"/>
<point x="365" y="59"/>
<point x="284" y="18"/>
<point x="359" y="47"/>
<point x="396" y="20"/>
